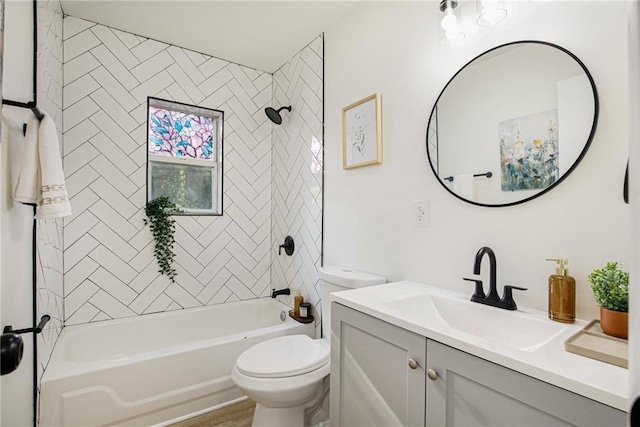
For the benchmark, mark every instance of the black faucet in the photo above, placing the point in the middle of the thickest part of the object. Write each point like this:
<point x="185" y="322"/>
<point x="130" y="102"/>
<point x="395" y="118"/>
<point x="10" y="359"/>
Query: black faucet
<point x="285" y="291"/>
<point x="492" y="298"/>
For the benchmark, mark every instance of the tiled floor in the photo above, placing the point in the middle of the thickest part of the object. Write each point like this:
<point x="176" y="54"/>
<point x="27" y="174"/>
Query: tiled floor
<point x="237" y="415"/>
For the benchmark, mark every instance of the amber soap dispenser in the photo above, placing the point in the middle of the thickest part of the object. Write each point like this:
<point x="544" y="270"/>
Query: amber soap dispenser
<point x="297" y="300"/>
<point x="562" y="293"/>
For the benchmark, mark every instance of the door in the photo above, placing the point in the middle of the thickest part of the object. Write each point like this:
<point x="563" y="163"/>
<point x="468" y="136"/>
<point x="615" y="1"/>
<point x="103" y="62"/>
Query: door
<point x="16" y="221"/>
<point x="634" y="194"/>
<point x="469" y="391"/>
<point x="377" y="374"/>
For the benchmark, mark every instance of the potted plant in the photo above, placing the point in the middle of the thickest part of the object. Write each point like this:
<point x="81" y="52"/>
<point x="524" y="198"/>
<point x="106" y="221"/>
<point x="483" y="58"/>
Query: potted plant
<point x="610" y="287"/>
<point x="162" y="226"/>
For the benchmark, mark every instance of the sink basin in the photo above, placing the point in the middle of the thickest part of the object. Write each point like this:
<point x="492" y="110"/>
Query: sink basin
<point x="522" y="331"/>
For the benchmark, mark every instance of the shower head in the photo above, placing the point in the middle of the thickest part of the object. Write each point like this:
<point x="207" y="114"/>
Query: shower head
<point x="274" y="115"/>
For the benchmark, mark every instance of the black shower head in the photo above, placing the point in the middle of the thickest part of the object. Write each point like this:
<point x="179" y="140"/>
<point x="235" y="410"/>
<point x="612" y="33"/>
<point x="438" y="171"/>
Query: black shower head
<point x="274" y="115"/>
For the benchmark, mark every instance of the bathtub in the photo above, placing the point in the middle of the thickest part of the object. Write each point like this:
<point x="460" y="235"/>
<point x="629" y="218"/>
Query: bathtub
<point x="155" y="368"/>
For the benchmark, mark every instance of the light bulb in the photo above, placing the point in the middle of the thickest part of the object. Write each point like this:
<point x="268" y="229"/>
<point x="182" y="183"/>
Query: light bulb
<point x="492" y="12"/>
<point x="449" y="20"/>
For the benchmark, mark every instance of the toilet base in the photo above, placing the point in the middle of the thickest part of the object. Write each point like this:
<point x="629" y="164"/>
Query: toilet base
<point x="318" y="415"/>
<point x="292" y="416"/>
<point x="284" y="417"/>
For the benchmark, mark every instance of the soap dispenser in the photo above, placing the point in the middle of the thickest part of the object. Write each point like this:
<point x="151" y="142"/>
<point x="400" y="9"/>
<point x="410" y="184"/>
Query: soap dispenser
<point x="562" y="293"/>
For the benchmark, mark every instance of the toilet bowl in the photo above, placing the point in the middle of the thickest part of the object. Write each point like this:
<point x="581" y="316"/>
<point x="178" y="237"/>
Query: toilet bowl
<point x="285" y="376"/>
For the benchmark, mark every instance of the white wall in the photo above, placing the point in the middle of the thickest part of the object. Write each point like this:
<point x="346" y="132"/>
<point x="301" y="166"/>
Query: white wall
<point x="634" y="200"/>
<point x="2" y="167"/>
<point x="16" y="220"/>
<point x="393" y="48"/>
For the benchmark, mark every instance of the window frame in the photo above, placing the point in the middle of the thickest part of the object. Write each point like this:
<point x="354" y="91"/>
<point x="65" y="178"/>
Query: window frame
<point x="215" y="164"/>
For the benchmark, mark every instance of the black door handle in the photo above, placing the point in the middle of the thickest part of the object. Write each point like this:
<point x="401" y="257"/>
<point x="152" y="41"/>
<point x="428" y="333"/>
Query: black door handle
<point x="634" y="414"/>
<point x="12" y="345"/>
<point x="11" y="349"/>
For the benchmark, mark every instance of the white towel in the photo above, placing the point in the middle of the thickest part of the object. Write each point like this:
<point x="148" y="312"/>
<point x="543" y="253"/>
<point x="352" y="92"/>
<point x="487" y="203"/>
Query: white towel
<point x="41" y="178"/>
<point x="29" y="179"/>
<point x="465" y="186"/>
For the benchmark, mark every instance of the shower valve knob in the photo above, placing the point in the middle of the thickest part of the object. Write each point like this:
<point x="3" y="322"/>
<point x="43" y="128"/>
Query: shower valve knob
<point x="288" y="246"/>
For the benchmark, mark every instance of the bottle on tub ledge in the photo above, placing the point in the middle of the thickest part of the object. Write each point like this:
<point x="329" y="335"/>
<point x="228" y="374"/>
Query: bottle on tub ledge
<point x="301" y="310"/>
<point x="297" y="300"/>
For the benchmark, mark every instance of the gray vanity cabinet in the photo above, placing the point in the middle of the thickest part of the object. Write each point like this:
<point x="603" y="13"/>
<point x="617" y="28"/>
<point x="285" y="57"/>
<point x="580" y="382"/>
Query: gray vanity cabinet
<point x="384" y="375"/>
<point x="471" y="391"/>
<point x="372" y="383"/>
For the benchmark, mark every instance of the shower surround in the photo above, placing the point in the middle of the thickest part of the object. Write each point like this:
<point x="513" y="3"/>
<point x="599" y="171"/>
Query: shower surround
<point x="49" y="233"/>
<point x="109" y="267"/>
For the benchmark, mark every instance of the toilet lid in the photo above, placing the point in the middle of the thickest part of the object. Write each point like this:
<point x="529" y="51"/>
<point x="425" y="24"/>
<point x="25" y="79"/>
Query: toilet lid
<point x="283" y="357"/>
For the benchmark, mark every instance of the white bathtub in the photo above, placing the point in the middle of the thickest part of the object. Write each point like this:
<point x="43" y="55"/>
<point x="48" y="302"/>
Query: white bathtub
<point x="155" y="368"/>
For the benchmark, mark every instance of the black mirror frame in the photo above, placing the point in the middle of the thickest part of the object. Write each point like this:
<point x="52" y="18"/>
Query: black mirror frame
<point x="575" y="164"/>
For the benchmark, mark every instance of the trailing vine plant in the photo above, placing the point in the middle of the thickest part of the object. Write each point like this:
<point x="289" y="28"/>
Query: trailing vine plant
<point x="162" y="226"/>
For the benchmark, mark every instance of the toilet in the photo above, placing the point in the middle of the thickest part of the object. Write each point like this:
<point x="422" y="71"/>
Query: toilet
<point x="285" y="376"/>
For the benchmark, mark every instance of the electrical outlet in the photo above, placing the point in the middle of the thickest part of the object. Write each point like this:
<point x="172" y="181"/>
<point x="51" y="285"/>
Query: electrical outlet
<point x="421" y="213"/>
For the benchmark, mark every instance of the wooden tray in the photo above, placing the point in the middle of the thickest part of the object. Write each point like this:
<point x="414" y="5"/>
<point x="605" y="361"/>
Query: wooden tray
<point x="301" y="319"/>
<point x="592" y="342"/>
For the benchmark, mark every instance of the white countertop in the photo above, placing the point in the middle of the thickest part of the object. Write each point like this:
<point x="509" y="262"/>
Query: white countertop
<point x="549" y="362"/>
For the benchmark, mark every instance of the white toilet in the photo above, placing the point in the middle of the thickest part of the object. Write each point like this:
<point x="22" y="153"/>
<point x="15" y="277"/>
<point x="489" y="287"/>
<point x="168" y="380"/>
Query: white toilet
<point x="284" y="375"/>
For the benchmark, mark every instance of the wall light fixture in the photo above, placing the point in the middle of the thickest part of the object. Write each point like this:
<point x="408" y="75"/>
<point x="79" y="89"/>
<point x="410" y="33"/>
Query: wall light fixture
<point x="451" y="29"/>
<point x="490" y="12"/>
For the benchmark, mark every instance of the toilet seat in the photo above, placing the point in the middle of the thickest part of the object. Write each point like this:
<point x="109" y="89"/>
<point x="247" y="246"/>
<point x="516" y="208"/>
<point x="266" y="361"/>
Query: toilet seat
<point x="283" y="357"/>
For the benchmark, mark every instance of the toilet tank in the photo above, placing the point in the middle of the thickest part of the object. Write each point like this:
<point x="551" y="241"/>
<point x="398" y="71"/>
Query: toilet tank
<point x="334" y="279"/>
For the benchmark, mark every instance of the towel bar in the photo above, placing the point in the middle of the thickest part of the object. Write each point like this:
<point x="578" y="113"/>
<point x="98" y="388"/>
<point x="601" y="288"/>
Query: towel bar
<point x="487" y="174"/>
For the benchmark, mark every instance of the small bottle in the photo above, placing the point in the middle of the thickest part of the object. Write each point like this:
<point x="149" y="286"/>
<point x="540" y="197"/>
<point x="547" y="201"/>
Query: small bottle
<point x="562" y="293"/>
<point x="297" y="300"/>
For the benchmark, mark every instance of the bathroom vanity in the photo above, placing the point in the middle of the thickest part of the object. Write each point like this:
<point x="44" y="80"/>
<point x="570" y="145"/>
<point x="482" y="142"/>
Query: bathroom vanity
<point x="411" y="354"/>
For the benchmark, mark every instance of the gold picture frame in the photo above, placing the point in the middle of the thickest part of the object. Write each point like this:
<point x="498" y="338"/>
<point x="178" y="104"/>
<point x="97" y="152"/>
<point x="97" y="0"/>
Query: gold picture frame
<point x="362" y="133"/>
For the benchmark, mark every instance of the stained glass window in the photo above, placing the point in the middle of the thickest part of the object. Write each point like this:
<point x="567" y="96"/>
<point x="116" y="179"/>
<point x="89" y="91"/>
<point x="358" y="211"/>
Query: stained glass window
<point x="185" y="156"/>
<point x="178" y="134"/>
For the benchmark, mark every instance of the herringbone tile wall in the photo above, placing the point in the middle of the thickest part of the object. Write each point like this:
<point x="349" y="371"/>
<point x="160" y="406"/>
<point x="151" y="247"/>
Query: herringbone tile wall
<point x="297" y="172"/>
<point x="49" y="265"/>
<point x="109" y="267"/>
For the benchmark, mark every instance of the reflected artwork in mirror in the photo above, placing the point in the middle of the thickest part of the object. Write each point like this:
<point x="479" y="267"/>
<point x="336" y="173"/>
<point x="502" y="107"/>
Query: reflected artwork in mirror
<point x="512" y="124"/>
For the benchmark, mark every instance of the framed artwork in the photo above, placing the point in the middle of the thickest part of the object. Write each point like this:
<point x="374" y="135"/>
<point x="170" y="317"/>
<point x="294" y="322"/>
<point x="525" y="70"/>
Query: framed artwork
<point x="529" y="151"/>
<point x="362" y="133"/>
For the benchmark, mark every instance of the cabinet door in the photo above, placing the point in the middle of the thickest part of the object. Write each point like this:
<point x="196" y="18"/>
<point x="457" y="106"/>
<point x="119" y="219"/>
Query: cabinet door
<point x="372" y="382"/>
<point x="471" y="391"/>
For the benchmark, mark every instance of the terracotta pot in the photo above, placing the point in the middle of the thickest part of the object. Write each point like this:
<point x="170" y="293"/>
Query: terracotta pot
<point x="614" y="323"/>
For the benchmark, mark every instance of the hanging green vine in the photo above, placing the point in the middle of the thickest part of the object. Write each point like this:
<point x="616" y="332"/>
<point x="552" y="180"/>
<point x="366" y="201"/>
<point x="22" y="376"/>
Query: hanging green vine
<point x="162" y="226"/>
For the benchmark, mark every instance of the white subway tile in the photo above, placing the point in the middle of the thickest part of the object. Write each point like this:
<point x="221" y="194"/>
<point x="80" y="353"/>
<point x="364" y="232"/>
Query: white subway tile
<point x="79" y="67"/>
<point x="115" y="45"/>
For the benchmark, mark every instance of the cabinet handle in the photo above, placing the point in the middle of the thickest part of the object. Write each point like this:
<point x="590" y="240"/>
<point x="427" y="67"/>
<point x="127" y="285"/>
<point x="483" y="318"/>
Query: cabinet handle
<point x="413" y="364"/>
<point x="433" y="375"/>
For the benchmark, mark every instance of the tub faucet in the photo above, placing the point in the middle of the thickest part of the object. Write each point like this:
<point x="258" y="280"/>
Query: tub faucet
<point x="285" y="291"/>
<point x="492" y="298"/>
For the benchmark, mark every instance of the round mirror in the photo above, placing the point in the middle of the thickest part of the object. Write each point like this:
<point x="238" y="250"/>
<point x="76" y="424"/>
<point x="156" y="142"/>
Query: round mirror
<point x="512" y="123"/>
